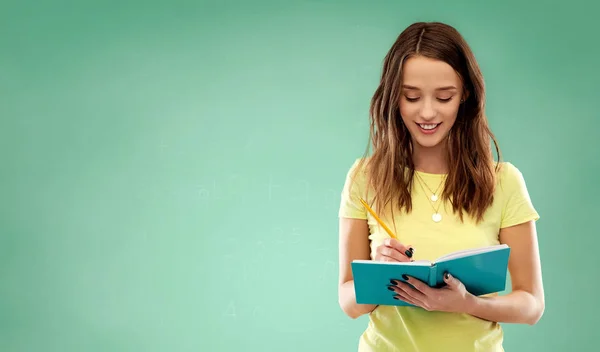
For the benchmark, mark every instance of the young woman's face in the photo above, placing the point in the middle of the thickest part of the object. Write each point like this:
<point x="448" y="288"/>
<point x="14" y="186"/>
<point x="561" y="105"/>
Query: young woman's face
<point x="430" y="99"/>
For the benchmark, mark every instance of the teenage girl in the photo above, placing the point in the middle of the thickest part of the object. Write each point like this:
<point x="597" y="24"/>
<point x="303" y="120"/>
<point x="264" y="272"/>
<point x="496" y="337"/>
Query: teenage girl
<point x="432" y="178"/>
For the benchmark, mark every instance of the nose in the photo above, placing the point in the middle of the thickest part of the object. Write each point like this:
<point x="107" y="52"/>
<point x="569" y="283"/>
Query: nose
<point x="427" y="110"/>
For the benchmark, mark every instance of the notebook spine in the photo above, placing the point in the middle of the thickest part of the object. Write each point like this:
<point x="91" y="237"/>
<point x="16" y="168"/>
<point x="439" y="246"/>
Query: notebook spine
<point x="433" y="275"/>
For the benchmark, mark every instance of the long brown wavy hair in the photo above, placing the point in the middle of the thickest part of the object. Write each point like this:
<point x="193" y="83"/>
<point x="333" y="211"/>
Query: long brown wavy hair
<point x="471" y="178"/>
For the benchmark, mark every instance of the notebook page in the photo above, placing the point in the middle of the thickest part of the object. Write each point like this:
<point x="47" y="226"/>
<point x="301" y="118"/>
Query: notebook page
<point x="421" y="262"/>
<point x="472" y="251"/>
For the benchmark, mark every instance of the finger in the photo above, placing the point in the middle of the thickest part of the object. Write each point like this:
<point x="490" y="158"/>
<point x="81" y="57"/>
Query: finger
<point x="385" y="258"/>
<point x="389" y="258"/>
<point x="419" y="285"/>
<point x="392" y="253"/>
<point x="395" y="244"/>
<point x="409" y="300"/>
<point x="410" y="291"/>
<point x="451" y="281"/>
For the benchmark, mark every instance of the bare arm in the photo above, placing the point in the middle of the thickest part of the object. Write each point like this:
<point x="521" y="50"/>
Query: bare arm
<point x="353" y="244"/>
<point x="525" y="304"/>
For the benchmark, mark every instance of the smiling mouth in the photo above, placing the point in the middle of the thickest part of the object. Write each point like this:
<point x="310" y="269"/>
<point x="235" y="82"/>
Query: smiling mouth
<point x="428" y="126"/>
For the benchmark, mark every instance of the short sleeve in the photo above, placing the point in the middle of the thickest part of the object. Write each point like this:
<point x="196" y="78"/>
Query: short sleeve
<point x="354" y="185"/>
<point x="518" y="207"/>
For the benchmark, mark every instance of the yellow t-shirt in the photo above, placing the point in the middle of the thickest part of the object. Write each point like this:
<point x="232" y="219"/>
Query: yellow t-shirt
<point x="410" y="329"/>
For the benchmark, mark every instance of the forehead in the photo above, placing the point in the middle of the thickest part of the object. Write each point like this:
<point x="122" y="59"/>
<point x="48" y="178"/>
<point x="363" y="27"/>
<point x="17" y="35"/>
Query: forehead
<point x="425" y="73"/>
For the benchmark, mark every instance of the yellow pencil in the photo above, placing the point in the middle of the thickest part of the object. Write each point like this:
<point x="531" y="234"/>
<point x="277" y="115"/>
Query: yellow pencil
<point x="378" y="219"/>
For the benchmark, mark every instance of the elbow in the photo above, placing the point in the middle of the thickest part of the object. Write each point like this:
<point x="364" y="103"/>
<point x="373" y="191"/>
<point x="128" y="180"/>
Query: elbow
<point x="537" y="313"/>
<point x="352" y="315"/>
<point x="348" y="309"/>
<point x="535" y="319"/>
<point x="347" y="302"/>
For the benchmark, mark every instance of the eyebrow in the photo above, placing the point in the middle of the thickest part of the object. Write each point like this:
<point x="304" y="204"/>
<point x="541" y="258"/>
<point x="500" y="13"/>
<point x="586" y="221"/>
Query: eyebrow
<point x="405" y="86"/>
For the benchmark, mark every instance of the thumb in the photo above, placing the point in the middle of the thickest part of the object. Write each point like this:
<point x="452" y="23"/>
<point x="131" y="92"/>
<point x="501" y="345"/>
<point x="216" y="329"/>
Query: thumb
<point x="451" y="281"/>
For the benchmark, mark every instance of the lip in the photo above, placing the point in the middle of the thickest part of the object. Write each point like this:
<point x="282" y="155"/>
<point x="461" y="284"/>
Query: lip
<point x="432" y="131"/>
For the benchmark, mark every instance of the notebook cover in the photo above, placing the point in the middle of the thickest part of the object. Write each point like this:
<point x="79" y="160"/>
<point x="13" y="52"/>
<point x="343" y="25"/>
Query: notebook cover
<point x="481" y="274"/>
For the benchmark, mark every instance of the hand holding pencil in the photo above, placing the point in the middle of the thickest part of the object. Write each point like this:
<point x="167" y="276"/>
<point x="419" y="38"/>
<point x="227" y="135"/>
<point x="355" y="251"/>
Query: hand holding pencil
<point x="391" y="250"/>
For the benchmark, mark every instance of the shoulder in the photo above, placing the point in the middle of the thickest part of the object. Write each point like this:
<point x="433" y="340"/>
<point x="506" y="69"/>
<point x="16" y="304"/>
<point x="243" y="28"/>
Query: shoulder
<point x="507" y="170"/>
<point x="511" y="186"/>
<point x="509" y="176"/>
<point x="358" y="169"/>
<point x="517" y="206"/>
<point x="353" y="191"/>
<point x="356" y="176"/>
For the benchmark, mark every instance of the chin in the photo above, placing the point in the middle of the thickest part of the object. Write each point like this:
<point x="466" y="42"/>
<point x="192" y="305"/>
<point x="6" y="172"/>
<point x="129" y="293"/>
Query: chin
<point x="427" y="143"/>
<point x="431" y="141"/>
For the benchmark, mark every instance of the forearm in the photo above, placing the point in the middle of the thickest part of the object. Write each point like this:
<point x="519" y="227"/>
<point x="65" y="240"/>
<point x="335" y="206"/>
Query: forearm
<point x="347" y="301"/>
<point x="518" y="307"/>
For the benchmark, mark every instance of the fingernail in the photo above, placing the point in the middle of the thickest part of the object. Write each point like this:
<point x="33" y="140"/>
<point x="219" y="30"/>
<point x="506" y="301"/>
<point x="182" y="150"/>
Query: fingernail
<point x="408" y="253"/>
<point x="447" y="276"/>
<point x="396" y="298"/>
<point x="393" y="282"/>
<point x="391" y="288"/>
<point x="412" y="249"/>
<point x="405" y="277"/>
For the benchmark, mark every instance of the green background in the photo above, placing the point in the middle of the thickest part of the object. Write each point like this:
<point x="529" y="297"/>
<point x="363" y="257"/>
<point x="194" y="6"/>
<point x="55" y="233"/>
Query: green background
<point x="170" y="172"/>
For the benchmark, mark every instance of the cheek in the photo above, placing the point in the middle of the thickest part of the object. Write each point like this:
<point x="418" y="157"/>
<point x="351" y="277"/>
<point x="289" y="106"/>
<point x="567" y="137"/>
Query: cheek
<point x="409" y="111"/>
<point x="449" y="112"/>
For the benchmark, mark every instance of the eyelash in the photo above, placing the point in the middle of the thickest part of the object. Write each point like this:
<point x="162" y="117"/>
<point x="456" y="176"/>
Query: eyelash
<point x="415" y="99"/>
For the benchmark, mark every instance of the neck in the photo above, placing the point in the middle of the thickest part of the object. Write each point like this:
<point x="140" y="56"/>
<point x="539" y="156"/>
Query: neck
<point x="430" y="160"/>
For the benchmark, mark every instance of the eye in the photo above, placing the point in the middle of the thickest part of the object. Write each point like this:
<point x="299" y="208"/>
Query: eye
<point x="411" y="99"/>
<point x="445" y="100"/>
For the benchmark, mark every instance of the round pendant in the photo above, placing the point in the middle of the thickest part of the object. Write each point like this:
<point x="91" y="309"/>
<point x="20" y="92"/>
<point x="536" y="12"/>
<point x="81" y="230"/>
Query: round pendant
<point x="437" y="217"/>
<point x="434" y="197"/>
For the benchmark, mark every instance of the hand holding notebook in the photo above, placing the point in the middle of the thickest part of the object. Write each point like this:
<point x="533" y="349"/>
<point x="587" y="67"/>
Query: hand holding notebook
<point x="480" y="270"/>
<point x="473" y="272"/>
<point x="453" y="297"/>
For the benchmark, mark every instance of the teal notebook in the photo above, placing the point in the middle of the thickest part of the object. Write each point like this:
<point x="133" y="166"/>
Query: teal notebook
<point x="481" y="270"/>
